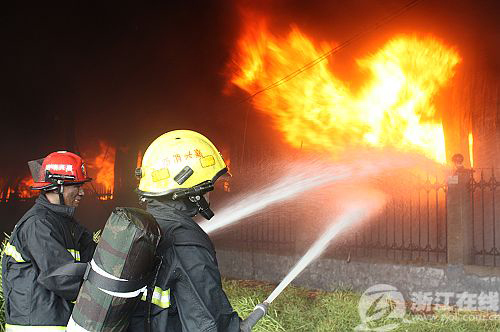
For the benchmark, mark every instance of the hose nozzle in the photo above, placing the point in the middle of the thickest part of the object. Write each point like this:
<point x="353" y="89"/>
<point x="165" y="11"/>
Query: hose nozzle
<point x="258" y="312"/>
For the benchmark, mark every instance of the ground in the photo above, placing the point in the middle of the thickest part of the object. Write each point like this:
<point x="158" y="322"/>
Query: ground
<point x="298" y="309"/>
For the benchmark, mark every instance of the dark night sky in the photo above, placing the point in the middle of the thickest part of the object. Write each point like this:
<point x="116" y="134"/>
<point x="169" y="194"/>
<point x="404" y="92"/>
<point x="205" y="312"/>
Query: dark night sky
<point x="132" y="72"/>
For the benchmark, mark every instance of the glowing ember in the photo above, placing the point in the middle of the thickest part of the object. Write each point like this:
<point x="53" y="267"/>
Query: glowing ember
<point x="226" y="156"/>
<point x="394" y="108"/>
<point x="103" y="170"/>
<point x="471" y="150"/>
<point x="227" y="186"/>
<point x="8" y="193"/>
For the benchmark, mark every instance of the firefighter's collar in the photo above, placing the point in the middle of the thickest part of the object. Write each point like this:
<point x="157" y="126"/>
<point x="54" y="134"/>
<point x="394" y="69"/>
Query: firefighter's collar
<point x="62" y="210"/>
<point x="184" y="206"/>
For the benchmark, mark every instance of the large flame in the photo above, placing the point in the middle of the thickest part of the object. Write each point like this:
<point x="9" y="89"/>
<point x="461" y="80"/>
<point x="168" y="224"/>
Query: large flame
<point x="103" y="171"/>
<point x="394" y="108"/>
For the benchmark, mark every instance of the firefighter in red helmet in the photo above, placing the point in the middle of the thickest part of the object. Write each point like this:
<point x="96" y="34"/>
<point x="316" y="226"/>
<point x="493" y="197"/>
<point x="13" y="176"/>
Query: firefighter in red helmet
<point x="46" y="257"/>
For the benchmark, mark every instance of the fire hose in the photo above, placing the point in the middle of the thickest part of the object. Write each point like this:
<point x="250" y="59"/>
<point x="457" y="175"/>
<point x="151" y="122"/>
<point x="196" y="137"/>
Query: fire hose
<point x="258" y="312"/>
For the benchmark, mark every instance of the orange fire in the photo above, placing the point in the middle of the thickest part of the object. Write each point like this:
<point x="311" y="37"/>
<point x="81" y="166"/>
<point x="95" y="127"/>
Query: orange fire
<point x="8" y="193"/>
<point x="23" y="190"/>
<point x="394" y="107"/>
<point x="226" y="156"/>
<point x="226" y="185"/>
<point x="471" y="150"/>
<point x="4" y="190"/>
<point x="139" y="159"/>
<point x="102" y="168"/>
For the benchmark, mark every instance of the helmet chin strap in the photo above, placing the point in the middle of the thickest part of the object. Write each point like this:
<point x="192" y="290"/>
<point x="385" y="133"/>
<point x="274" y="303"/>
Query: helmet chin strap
<point x="195" y="195"/>
<point x="61" y="196"/>
<point x="58" y="180"/>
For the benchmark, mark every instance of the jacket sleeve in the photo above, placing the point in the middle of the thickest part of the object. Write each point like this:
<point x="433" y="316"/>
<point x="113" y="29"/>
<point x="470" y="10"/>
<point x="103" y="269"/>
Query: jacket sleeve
<point x="58" y="271"/>
<point x="87" y="246"/>
<point x="201" y="301"/>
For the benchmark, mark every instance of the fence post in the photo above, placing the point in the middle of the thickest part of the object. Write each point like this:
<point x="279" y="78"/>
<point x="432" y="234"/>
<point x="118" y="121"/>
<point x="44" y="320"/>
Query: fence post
<point x="459" y="218"/>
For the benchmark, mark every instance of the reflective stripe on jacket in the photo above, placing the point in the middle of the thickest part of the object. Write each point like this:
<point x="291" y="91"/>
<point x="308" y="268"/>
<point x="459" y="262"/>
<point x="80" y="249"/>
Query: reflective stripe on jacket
<point x="20" y="328"/>
<point x="160" y="297"/>
<point x="41" y="269"/>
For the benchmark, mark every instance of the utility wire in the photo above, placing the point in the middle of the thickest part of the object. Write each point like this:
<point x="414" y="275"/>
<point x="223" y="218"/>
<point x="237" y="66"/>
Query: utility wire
<point x="336" y="49"/>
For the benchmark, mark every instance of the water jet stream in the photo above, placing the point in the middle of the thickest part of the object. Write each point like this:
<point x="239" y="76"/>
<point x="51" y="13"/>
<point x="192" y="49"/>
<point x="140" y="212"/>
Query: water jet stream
<point x="308" y="176"/>
<point x="347" y="218"/>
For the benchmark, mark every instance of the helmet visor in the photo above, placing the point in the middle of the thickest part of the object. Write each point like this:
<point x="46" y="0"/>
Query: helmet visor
<point x="35" y="170"/>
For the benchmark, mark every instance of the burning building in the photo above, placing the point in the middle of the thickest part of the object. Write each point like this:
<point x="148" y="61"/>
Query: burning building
<point x="102" y="169"/>
<point x="425" y="83"/>
<point x="395" y="108"/>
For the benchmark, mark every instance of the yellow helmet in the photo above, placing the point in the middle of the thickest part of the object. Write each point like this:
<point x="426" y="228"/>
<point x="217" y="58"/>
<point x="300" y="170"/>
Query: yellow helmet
<point x="179" y="160"/>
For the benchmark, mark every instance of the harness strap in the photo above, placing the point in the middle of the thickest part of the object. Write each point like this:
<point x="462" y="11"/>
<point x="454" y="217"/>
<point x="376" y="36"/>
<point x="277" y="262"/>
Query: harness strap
<point x="113" y="285"/>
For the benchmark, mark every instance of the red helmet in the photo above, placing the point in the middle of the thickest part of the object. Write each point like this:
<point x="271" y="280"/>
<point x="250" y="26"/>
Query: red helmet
<point x="58" y="168"/>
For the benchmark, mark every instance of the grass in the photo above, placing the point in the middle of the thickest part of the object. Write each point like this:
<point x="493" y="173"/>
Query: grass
<point x="299" y="309"/>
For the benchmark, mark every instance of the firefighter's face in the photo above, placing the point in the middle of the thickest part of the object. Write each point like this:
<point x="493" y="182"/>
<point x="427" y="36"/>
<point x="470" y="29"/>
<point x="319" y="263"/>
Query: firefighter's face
<point x="73" y="195"/>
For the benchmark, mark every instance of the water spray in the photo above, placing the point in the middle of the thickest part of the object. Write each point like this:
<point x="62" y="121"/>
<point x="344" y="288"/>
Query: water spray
<point x="291" y="185"/>
<point x="285" y="188"/>
<point x="308" y="176"/>
<point x="348" y="218"/>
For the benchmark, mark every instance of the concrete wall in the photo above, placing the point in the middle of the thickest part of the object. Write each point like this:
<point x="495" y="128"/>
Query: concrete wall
<point x="331" y="274"/>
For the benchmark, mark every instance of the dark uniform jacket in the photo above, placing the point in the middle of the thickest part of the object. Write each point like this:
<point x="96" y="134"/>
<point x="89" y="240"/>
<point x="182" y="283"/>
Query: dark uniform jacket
<point x="188" y="295"/>
<point x="42" y="267"/>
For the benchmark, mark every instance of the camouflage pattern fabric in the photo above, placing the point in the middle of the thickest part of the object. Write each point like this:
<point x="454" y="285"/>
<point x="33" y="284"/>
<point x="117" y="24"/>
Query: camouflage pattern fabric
<point x="126" y="250"/>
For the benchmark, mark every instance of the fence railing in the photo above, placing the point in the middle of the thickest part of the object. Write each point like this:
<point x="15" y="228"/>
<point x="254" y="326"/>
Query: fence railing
<point x="485" y="212"/>
<point x="411" y="227"/>
<point x="271" y="232"/>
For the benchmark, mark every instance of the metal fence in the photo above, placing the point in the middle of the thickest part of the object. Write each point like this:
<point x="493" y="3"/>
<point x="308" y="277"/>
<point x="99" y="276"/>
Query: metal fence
<point x="484" y="193"/>
<point x="272" y="232"/>
<point x="411" y="227"/>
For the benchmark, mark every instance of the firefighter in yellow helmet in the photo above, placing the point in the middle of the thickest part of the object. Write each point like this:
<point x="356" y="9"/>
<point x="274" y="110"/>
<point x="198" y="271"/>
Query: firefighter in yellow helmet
<point x="177" y="170"/>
